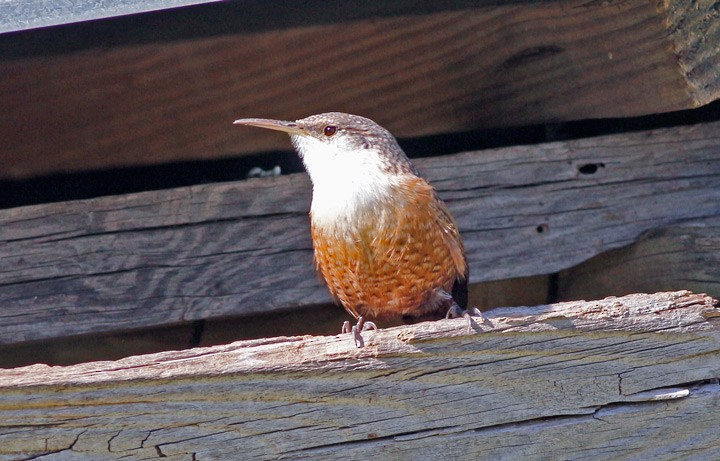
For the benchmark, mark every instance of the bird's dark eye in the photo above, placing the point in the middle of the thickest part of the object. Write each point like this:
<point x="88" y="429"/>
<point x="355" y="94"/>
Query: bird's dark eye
<point x="330" y="130"/>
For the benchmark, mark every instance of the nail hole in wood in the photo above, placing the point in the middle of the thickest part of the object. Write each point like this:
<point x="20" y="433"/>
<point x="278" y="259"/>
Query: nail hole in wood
<point x="590" y="168"/>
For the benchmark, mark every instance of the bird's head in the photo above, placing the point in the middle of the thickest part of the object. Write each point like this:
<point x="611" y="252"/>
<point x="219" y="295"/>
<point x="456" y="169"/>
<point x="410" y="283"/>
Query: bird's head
<point x="335" y="143"/>
<point x="356" y="166"/>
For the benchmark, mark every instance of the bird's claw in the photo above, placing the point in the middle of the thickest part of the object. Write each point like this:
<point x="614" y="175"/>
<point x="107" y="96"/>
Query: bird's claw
<point x="356" y="329"/>
<point x="456" y="312"/>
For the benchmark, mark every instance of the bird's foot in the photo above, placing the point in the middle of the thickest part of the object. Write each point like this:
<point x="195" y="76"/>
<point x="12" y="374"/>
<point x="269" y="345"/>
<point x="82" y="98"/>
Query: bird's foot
<point x="356" y="329"/>
<point x="455" y="312"/>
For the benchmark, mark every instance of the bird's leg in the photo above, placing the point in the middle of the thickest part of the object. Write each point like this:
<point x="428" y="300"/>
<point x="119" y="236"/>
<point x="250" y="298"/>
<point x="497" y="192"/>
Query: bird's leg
<point x="456" y="312"/>
<point x="361" y="325"/>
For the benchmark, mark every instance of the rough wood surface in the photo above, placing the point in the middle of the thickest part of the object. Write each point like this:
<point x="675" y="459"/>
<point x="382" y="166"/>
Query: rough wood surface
<point x="629" y="378"/>
<point x="496" y="65"/>
<point x="693" y="31"/>
<point x="240" y="248"/>
<point x="682" y="256"/>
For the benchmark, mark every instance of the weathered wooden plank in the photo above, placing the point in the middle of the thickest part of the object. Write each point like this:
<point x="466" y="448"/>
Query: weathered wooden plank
<point x="18" y="15"/>
<point x="146" y="256"/>
<point x="619" y="370"/>
<point x="449" y="71"/>
<point x="683" y="256"/>
<point x="242" y="248"/>
<point x="692" y="27"/>
<point x="676" y="428"/>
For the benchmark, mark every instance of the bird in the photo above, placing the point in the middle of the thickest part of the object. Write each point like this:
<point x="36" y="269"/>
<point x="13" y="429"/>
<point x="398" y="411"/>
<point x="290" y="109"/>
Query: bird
<point x="385" y="244"/>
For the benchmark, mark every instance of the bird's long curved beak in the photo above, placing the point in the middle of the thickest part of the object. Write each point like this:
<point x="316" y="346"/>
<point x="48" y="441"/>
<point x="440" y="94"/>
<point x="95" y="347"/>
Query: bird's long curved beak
<point x="277" y="125"/>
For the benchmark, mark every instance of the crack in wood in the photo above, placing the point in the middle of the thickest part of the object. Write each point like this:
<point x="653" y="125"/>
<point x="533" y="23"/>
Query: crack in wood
<point x="300" y="414"/>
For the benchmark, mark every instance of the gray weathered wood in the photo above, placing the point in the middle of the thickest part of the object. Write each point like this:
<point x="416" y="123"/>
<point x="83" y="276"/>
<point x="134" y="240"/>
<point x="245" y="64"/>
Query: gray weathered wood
<point x="499" y="64"/>
<point x="692" y="26"/>
<point x="241" y="248"/>
<point x="622" y="378"/>
<point x="682" y="256"/>
<point x="16" y="15"/>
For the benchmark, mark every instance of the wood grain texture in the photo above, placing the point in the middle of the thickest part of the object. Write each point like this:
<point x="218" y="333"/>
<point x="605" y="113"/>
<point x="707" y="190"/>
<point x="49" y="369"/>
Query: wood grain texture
<point x="683" y="256"/>
<point x="507" y="64"/>
<point x="628" y="377"/>
<point x="693" y="31"/>
<point x="242" y="248"/>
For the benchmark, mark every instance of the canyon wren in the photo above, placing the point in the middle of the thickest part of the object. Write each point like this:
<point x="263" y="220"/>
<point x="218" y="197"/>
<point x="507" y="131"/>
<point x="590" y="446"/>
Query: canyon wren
<point x="386" y="245"/>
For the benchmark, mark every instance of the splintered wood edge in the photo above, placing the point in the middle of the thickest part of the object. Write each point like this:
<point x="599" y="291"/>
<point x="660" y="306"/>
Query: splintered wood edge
<point x="675" y="312"/>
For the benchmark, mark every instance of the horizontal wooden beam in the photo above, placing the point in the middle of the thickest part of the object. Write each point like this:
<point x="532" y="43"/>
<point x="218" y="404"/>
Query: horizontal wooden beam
<point x="681" y="256"/>
<point x="214" y="250"/>
<point x="127" y="23"/>
<point x="636" y="371"/>
<point x="416" y="74"/>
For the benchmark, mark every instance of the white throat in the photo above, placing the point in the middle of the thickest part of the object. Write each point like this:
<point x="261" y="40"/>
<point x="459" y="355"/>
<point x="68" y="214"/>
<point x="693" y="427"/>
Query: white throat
<point x="346" y="185"/>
